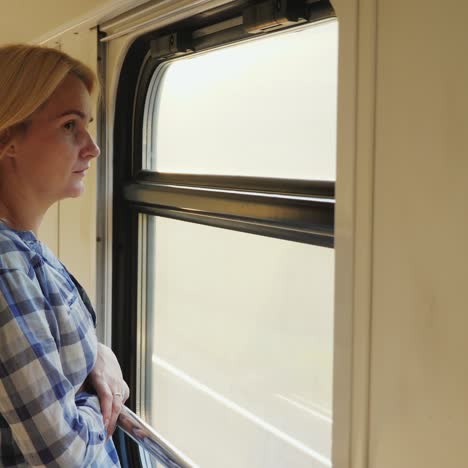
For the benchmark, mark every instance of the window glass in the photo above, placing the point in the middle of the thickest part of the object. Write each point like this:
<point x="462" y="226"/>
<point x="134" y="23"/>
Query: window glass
<point x="239" y="346"/>
<point x="265" y="107"/>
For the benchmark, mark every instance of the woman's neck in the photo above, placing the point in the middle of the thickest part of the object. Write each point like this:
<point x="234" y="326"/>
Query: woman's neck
<point x="20" y="214"/>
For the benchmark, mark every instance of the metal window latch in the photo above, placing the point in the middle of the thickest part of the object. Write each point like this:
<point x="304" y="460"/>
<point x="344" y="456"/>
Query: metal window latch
<point x="172" y="45"/>
<point x="272" y="14"/>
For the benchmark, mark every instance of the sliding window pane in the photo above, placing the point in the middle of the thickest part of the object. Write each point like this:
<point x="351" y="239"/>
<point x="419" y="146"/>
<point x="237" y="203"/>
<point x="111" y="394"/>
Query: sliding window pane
<point x="265" y="107"/>
<point x="239" y="346"/>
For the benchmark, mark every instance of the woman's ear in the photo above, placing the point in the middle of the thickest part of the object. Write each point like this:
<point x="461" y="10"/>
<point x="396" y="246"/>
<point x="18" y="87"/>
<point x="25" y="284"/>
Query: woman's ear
<point x="7" y="144"/>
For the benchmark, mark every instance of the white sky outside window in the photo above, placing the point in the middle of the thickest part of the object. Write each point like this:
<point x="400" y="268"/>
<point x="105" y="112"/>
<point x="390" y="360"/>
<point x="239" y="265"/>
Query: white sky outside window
<point x="240" y="346"/>
<point x="263" y="108"/>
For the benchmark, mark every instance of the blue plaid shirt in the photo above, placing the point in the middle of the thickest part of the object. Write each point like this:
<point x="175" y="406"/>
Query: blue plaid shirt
<point x="48" y="347"/>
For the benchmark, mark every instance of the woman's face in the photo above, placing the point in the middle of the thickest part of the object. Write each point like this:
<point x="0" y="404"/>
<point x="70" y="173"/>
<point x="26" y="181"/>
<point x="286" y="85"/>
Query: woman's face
<point x="51" y="157"/>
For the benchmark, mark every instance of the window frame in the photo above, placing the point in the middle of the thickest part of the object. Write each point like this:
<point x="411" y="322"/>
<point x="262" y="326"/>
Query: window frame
<point x="298" y="210"/>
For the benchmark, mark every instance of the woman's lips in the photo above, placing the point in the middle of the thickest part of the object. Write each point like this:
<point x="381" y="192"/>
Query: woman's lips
<point x="81" y="171"/>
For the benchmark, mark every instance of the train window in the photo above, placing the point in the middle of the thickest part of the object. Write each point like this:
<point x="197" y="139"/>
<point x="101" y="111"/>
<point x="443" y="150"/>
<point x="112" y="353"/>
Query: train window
<point x="224" y="232"/>
<point x="265" y="107"/>
<point x="239" y="345"/>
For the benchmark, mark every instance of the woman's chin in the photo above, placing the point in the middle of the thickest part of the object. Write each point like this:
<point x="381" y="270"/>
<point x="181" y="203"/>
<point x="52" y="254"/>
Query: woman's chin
<point x="75" y="191"/>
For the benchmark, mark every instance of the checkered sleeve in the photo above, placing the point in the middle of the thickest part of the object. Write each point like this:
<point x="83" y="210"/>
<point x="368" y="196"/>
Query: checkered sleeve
<point x="51" y="425"/>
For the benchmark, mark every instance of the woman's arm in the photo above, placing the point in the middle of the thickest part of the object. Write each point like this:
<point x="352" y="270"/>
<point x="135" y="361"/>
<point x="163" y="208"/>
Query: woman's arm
<point x="36" y="398"/>
<point x="106" y="378"/>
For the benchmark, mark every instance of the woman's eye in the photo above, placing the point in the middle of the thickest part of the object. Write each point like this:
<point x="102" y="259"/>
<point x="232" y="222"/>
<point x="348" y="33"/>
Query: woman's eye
<point x="70" y="125"/>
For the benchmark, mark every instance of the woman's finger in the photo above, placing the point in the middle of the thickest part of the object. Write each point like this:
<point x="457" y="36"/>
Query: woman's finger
<point x="117" y="403"/>
<point x="105" y="399"/>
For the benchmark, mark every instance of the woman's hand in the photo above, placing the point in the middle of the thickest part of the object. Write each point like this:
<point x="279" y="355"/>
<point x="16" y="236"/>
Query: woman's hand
<point x="107" y="381"/>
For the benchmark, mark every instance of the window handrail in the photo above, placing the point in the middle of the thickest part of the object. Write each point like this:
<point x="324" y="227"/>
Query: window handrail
<point x="151" y="441"/>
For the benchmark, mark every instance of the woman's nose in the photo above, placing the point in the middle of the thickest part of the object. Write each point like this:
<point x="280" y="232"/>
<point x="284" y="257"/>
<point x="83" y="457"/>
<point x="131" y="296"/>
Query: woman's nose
<point x="91" y="150"/>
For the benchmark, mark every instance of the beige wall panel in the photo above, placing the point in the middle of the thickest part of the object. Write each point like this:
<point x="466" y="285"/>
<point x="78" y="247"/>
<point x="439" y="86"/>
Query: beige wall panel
<point x="419" y="392"/>
<point x="39" y="17"/>
<point x="25" y="20"/>
<point x="33" y="20"/>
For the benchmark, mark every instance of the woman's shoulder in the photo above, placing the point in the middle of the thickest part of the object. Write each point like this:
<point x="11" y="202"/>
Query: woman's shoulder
<point x="17" y="249"/>
<point x="22" y="253"/>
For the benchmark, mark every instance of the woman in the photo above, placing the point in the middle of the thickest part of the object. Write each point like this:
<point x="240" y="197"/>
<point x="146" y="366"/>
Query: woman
<point x="60" y="391"/>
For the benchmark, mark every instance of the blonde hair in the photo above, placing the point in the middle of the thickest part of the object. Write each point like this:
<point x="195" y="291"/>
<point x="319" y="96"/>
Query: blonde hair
<point x="29" y="75"/>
